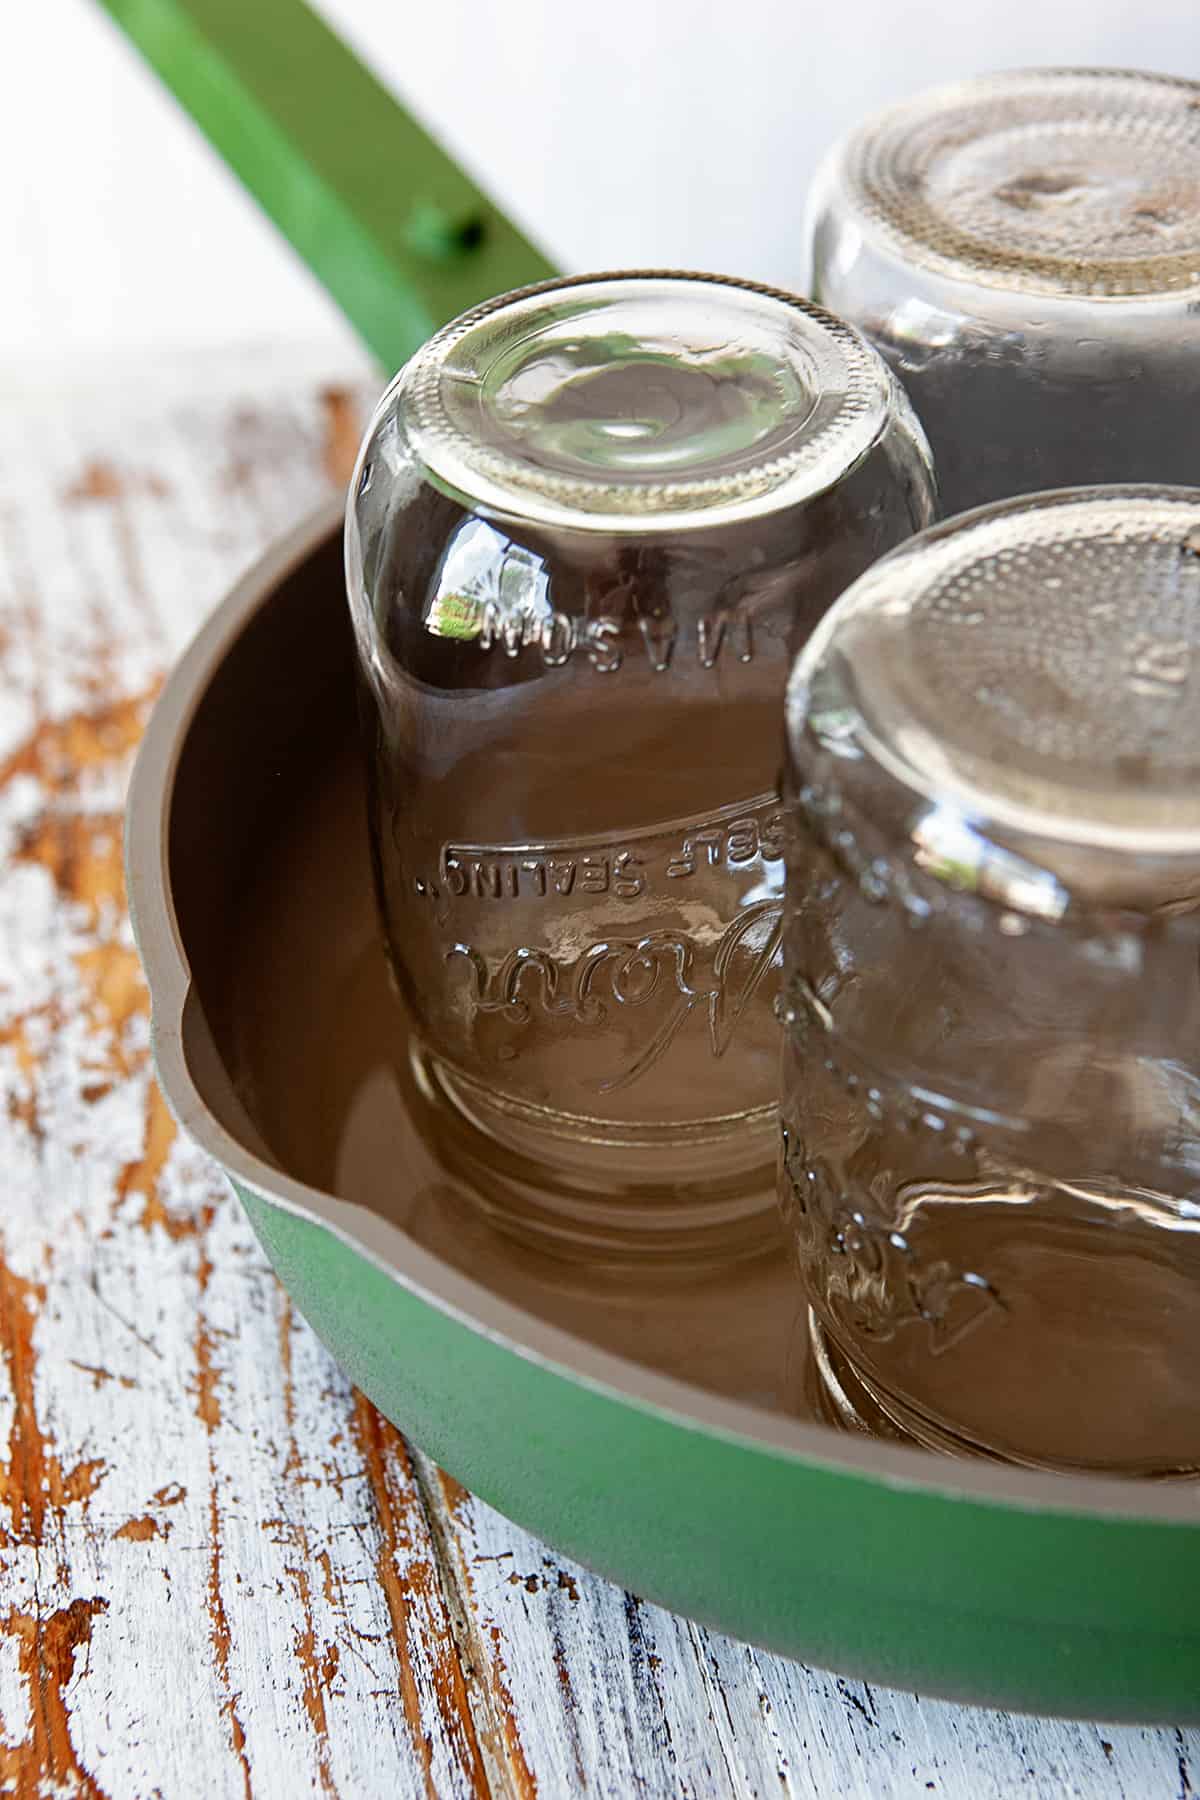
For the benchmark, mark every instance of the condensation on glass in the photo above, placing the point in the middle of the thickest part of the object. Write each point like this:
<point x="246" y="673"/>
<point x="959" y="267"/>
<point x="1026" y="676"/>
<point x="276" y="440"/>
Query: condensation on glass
<point x="991" y="1087"/>
<point x="1025" y="251"/>
<point x="589" y="523"/>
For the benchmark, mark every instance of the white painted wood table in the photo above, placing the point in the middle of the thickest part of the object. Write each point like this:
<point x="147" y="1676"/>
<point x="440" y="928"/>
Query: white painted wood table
<point x="221" y="1572"/>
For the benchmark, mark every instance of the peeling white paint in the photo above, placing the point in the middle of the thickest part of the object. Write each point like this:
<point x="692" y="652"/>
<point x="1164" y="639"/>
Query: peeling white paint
<point x="256" y="1589"/>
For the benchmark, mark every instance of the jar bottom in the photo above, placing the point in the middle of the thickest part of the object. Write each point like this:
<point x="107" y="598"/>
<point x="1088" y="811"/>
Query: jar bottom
<point x="690" y="1198"/>
<point x="842" y="1394"/>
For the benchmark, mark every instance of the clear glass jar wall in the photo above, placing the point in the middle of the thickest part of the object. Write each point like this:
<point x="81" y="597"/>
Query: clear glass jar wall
<point x="991" y="1089"/>
<point x="590" y="524"/>
<point x="1024" y="249"/>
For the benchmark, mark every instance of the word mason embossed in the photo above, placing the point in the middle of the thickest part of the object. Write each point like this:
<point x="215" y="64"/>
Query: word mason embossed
<point x="559" y="636"/>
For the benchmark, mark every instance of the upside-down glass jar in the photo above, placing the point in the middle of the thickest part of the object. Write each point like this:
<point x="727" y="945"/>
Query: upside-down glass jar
<point x="590" y="523"/>
<point x="1025" y="251"/>
<point x="991" y="1088"/>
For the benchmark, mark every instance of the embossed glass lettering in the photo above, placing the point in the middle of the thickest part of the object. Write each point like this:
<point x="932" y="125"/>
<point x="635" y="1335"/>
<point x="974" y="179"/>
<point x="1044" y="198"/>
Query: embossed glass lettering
<point x="558" y="640"/>
<point x="628" y="881"/>
<point x="513" y="625"/>
<point x="604" y="646"/>
<point x="658" y="631"/>
<point x="485" y="878"/>
<point x="593" y="875"/>
<point x="733" y="839"/>
<point x="742" y="842"/>
<point x="537" y="869"/>
<point x="634" y="972"/>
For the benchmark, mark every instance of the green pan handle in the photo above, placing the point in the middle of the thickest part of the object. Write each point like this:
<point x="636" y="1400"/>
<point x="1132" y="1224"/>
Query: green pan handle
<point x="390" y="224"/>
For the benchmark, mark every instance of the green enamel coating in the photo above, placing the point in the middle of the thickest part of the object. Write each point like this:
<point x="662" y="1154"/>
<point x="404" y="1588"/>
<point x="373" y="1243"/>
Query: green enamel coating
<point x="395" y="230"/>
<point x="1048" y="1611"/>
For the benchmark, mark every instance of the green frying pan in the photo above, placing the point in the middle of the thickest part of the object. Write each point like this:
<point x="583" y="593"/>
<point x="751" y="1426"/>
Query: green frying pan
<point x="652" y="1433"/>
<point x="655" y="1433"/>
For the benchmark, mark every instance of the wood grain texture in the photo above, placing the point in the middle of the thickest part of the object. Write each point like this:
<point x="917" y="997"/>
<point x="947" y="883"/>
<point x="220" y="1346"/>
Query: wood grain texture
<point x="221" y="1572"/>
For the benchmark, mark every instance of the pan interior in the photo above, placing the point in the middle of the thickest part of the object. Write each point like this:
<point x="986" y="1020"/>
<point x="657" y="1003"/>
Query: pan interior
<point x="307" y="1052"/>
<point x="297" y="1049"/>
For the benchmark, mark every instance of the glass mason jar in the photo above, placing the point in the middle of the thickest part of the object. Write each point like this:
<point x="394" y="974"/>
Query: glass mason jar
<point x="589" y="523"/>
<point x="991" y="1085"/>
<point x="1025" y="251"/>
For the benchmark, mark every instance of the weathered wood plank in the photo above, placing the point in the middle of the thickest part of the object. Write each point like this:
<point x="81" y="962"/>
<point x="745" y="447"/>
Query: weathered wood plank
<point x="635" y="1700"/>
<point x="214" y="1554"/>
<point x="220" y="1570"/>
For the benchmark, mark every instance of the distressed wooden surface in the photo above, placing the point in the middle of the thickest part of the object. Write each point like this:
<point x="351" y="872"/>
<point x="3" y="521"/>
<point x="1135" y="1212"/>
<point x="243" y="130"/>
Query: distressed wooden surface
<point x="221" y="1572"/>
